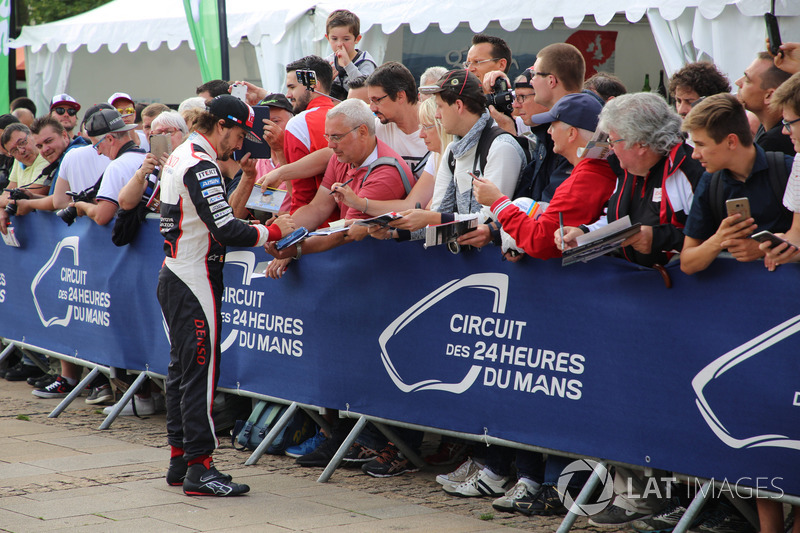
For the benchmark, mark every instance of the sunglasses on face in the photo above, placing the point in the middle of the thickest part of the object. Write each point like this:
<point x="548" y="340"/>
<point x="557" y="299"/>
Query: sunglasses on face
<point x="71" y="111"/>
<point x="126" y="110"/>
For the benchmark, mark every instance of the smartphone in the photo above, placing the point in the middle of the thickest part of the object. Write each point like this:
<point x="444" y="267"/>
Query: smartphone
<point x="294" y="237"/>
<point x="239" y="91"/>
<point x="738" y="205"/>
<point x="160" y="145"/>
<point x="307" y="78"/>
<point x="773" y="33"/>
<point x="766" y="236"/>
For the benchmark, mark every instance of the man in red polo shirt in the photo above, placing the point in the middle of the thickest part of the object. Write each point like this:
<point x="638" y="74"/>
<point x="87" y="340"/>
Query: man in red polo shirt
<point x="350" y="133"/>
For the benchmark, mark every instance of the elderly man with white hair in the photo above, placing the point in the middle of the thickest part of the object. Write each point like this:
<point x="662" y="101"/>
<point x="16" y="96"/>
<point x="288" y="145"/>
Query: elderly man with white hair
<point x="350" y="132"/>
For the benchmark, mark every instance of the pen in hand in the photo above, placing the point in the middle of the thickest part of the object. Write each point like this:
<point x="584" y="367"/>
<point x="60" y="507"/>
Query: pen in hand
<point x="342" y="185"/>
<point x="561" y="227"/>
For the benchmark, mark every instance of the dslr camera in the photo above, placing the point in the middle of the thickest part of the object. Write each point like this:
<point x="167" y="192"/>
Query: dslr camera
<point x="501" y="97"/>
<point x="307" y="78"/>
<point x="70" y="213"/>
<point x="15" y="194"/>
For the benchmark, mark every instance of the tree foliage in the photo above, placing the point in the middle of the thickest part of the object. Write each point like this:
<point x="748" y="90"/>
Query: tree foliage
<point x="40" y="11"/>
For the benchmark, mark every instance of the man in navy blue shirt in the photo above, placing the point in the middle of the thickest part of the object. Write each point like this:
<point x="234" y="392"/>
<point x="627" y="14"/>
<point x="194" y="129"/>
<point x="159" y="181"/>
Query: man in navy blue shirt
<point x="735" y="168"/>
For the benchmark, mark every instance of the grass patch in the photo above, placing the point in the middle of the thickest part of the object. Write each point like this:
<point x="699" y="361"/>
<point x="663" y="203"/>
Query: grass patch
<point x="24" y="417"/>
<point x="487" y="516"/>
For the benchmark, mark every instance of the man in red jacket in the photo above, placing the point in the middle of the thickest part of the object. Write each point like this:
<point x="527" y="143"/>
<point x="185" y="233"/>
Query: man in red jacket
<point x="580" y="199"/>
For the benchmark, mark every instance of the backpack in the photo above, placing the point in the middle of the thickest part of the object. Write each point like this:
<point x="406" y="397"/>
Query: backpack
<point x="778" y="177"/>
<point x="250" y="433"/>
<point x="392" y="162"/>
<point x="488" y="135"/>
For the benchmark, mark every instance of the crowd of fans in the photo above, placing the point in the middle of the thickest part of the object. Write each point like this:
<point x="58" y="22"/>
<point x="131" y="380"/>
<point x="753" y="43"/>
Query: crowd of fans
<point x="366" y="139"/>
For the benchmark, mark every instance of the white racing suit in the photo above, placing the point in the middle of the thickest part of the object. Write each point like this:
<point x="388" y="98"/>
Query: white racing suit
<point x="197" y="223"/>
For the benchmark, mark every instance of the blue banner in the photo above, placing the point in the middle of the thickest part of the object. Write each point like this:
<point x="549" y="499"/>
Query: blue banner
<point x="599" y="359"/>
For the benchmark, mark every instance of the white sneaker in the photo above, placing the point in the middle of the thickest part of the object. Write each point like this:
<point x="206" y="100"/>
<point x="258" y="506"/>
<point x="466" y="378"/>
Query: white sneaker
<point x="521" y="490"/>
<point x="144" y="407"/>
<point x="479" y="484"/>
<point x="460" y="474"/>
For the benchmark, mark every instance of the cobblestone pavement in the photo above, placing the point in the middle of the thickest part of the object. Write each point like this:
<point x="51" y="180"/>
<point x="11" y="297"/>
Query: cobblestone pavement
<point x="417" y="488"/>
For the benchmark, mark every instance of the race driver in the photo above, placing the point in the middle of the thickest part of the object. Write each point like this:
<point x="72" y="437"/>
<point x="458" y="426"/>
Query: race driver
<point x="197" y="224"/>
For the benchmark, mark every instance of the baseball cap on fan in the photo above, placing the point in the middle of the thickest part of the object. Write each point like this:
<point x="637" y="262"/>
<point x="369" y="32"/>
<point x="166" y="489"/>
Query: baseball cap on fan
<point x="233" y="110"/>
<point x="580" y="110"/>
<point x="64" y="98"/>
<point x="458" y="81"/>
<point x="106" y="121"/>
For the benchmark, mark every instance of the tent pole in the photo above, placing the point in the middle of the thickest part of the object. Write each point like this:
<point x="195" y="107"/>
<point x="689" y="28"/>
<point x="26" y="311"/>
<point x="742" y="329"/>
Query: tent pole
<point x="223" y="38"/>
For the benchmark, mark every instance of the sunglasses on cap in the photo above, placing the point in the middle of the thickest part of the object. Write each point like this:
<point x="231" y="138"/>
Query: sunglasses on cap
<point x="71" y="111"/>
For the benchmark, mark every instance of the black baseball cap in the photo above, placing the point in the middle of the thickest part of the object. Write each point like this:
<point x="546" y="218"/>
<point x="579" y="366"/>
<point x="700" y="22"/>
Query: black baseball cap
<point x="94" y="109"/>
<point x="233" y="110"/>
<point x="277" y="100"/>
<point x="106" y="121"/>
<point x="458" y="81"/>
<point x="580" y="110"/>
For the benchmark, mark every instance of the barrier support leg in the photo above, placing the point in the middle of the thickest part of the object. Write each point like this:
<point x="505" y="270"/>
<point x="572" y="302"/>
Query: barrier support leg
<point x="74" y="394"/>
<point x="694" y="508"/>
<point x="276" y="428"/>
<point x="123" y="401"/>
<point x="7" y="351"/>
<point x="583" y="497"/>
<point x="337" y="458"/>
<point x="746" y="509"/>
<point x="401" y="445"/>
<point x="319" y="420"/>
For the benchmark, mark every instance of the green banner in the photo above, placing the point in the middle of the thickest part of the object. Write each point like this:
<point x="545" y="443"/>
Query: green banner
<point x="5" y="30"/>
<point x="203" y="19"/>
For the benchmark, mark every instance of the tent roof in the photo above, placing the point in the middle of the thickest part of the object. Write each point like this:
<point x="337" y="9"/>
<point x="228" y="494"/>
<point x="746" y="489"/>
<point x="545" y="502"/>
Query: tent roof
<point x="133" y="22"/>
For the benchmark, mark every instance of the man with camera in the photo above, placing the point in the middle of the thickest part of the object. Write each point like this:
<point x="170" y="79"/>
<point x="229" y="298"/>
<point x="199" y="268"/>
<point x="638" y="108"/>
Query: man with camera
<point x="110" y="137"/>
<point x="26" y="175"/>
<point x="80" y="171"/>
<point x="52" y="141"/>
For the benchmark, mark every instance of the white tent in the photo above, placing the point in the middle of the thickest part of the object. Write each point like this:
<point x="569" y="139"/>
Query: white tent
<point x="729" y="32"/>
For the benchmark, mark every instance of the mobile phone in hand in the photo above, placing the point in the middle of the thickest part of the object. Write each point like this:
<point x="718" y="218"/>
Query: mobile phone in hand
<point x="773" y="33"/>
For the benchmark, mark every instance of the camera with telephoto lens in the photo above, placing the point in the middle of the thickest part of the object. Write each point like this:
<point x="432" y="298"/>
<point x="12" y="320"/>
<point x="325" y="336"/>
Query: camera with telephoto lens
<point x="70" y="213"/>
<point x="501" y="97"/>
<point x="307" y="78"/>
<point x="14" y="194"/>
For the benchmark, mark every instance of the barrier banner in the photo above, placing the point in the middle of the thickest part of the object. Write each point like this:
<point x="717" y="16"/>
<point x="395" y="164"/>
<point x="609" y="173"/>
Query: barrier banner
<point x="599" y="359"/>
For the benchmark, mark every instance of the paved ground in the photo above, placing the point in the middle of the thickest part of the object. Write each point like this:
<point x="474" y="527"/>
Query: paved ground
<point x="65" y="475"/>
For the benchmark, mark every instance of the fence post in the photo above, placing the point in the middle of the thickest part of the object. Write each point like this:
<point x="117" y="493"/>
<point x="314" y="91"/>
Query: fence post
<point x="74" y="394"/>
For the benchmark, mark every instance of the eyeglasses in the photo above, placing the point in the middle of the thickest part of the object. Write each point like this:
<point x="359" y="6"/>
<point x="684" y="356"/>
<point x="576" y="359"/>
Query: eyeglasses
<point x="542" y="74"/>
<point x="126" y="110"/>
<point x="787" y="124"/>
<point x="71" y="111"/>
<point x="19" y="145"/>
<point x="377" y="101"/>
<point x="168" y="131"/>
<point x="429" y="127"/>
<point x="615" y="141"/>
<point x="522" y="97"/>
<point x="337" y="137"/>
<point x="98" y="143"/>
<point x="468" y="64"/>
